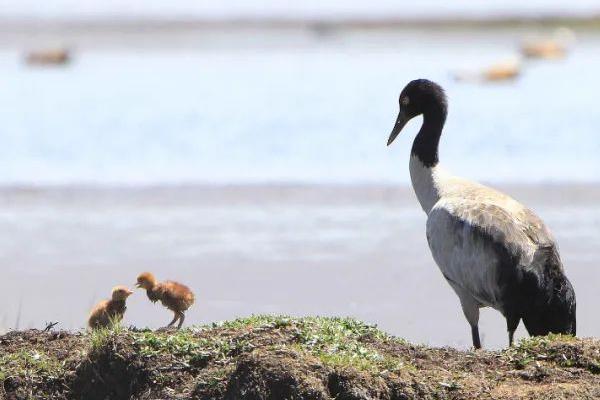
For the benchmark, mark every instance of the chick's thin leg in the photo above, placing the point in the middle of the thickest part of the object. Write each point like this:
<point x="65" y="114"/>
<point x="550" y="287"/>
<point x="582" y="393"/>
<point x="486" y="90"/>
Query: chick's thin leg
<point x="181" y="319"/>
<point x="174" y="320"/>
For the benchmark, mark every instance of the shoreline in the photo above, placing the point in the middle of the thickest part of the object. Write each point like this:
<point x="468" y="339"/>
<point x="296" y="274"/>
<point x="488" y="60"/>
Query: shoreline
<point x="149" y="24"/>
<point x="106" y="32"/>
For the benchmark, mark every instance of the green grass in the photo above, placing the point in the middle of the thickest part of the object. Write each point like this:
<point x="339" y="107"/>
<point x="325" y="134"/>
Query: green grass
<point x="29" y="364"/>
<point x="337" y="342"/>
<point x="99" y="337"/>
<point x="327" y="328"/>
<point x="542" y="348"/>
<point x="256" y="321"/>
<point x="185" y="345"/>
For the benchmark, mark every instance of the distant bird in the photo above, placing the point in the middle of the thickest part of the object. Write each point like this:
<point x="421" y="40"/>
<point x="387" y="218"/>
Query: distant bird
<point x="548" y="49"/>
<point x="492" y="250"/>
<point x="505" y="70"/>
<point x="554" y="47"/>
<point x="173" y="295"/>
<point x="110" y="311"/>
<point x="53" y="56"/>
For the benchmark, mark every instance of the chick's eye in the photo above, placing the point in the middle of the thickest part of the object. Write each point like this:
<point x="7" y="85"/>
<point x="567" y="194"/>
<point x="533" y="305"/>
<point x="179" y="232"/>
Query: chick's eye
<point x="405" y="101"/>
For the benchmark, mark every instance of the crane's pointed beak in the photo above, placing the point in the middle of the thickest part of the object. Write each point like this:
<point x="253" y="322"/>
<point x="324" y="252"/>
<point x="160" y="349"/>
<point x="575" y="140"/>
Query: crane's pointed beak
<point x="400" y="122"/>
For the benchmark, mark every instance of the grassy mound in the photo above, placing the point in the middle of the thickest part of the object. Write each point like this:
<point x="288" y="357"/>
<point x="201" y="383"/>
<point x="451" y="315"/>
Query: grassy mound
<point x="267" y="357"/>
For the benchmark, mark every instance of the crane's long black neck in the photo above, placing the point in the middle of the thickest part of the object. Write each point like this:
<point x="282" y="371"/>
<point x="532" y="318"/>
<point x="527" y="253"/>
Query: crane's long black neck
<point x="425" y="145"/>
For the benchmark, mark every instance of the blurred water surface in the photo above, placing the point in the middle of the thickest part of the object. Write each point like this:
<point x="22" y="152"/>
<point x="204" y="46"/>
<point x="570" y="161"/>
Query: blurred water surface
<point x="317" y="110"/>
<point x="359" y="251"/>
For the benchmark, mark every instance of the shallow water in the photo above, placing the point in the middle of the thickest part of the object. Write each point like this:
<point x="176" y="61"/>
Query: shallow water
<point x="327" y="250"/>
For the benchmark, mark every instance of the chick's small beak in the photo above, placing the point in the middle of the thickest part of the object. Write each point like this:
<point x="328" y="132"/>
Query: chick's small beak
<point x="402" y="119"/>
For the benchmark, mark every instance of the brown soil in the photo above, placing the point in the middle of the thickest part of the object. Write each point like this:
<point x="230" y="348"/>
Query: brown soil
<point x="290" y="360"/>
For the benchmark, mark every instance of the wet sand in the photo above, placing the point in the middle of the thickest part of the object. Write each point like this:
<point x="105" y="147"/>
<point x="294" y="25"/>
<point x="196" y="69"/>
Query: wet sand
<point x="304" y="250"/>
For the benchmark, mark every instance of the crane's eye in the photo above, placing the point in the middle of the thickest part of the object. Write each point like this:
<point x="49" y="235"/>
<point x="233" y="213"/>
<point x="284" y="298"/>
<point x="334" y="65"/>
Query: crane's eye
<point x="404" y="101"/>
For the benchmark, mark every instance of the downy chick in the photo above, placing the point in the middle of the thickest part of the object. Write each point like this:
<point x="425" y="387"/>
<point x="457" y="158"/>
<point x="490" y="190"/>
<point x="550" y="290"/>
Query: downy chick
<point x="110" y="311"/>
<point x="173" y="295"/>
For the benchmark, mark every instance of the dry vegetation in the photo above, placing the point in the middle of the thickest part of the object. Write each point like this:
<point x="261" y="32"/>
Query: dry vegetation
<point x="264" y="357"/>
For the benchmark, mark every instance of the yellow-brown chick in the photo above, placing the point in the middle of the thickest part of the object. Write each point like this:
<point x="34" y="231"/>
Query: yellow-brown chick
<point x="110" y="311"/>
<point x="173" y="295"/>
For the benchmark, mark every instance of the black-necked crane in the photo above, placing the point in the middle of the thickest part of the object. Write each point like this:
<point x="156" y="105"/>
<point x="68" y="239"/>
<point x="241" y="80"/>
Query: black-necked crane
<point x="493" y="251"/>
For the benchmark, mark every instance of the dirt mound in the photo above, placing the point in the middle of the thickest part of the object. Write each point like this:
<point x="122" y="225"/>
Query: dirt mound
<point x="110" y="371"/>
<point x="266" y="357"/>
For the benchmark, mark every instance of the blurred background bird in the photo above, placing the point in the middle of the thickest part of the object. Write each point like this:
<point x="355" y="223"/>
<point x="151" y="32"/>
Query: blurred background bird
<point x="48" y="56"/>
<point x="108" y="312"/>
<point x="173" y="295"/>
<point x="551" y="47"/>
<point x="503" y="70"/>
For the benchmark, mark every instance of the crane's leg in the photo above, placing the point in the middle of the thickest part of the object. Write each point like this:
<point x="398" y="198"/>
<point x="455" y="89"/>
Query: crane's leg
<point x="475" y="337"/>
<point x="175" y="318"/>
<point x="471" y="310"/>
<point x="512" y="323"/>
<point x="181" y="319"/>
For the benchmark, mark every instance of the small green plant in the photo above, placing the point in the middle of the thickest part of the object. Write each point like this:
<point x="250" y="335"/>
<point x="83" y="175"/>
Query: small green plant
<point x="28" y="364"/>
<point x="98" y="337"/>
<point x="180" y="343"/>
<point x="256" y="321"/>
<point x="542" y="348"/>
<point x="184" y="343"/>
<point x="339" y="342"/>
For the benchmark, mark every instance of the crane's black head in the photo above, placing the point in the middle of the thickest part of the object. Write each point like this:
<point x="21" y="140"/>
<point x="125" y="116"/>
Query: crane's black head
<point x="420" y="96"/>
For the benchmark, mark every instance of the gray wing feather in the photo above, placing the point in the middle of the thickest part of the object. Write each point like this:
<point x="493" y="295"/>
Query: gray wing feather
<point x="518" y="229"/>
